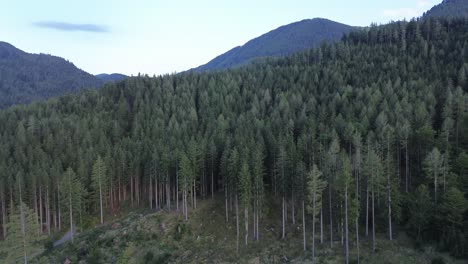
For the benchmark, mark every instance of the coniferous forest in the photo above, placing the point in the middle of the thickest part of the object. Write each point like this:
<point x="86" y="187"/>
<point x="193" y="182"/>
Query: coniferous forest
<point x="354" y="142"/>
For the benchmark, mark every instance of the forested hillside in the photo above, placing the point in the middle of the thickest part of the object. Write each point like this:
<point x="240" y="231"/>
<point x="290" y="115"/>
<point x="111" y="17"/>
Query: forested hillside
<point x="285" y="40"/>
<point x="365" y="137"/>
<point x="113" y="77"/>
<point x="449" y="9"/>
<point x="26" y="77"/>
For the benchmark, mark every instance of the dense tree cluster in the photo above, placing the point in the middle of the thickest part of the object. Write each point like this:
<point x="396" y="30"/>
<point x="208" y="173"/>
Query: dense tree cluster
<point x="365" y="136"/>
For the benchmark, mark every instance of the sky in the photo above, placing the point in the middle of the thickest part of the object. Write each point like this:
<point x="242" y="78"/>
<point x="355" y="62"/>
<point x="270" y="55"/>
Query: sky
<point x="169" y="36"/>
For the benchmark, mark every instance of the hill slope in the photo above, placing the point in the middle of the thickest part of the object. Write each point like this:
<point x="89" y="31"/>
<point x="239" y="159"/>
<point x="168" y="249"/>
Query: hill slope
<point x="26" y="77"/>
<point x="282" y="41"/>
<point x="113" y="77"/>
<point x="449" y="8"/>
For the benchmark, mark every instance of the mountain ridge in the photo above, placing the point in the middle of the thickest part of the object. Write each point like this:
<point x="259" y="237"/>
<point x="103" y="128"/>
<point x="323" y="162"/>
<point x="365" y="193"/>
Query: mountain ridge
<point x="111" y="77"/>
<point x="284" y="40"/>
<point x="28" y="77"/>
<point x="449" y="9"/>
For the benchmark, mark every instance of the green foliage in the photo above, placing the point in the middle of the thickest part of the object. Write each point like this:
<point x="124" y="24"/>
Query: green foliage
<point x="420" y="210"/>
<point x="245" y="185"/>
<point x="22" y="239"/>
<point x="315" y="187"/>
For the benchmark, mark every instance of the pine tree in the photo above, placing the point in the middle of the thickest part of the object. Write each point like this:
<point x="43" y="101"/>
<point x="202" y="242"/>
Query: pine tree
<point x="433" y="166"/>
<point x="315" y="187"/>
<point x="99" y="181"/>
<point x="245" y="193"/>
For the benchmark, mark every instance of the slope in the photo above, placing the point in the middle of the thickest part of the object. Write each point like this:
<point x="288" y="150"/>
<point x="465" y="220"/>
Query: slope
<point x="26" y="77"/>
<point x="449" y="8"/>
<point x="113" y="77"/>
<point x="282" y="41"/>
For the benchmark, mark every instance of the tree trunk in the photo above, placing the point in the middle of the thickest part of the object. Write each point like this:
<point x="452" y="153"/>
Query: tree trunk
<point x="246" y="218"/>
<point x="212" y="181"/>
<point x="150" y="196"/>
<point x="100" y="197"/>
<point x="156" y="194"/>
<point x="131" y="190"/>
<point x="304" y="226"/>
<point x="284" y="230"/>
<point x="226" y="200"/>
<point x="373" y="221"/>
<point x="177" y="189"/>
<point x="70" y="205"/>
<point x="237" y="223"/>
<point x="367" y="209"/>
<point x="48" y="211"/>
<point x="321" y="225"/>
<point x="23" y="224"/>
<point x="406" y="165"/>
<point x="292" y="211"/>
<point x="58" y="206"/>
<point x="357" y="238"/>
<point x="313" y="226"/>
<point x="40" y="209"/>
<point x="2" y="197"/>
<point x="331" y="216"/>
<point x="346" y="225"/>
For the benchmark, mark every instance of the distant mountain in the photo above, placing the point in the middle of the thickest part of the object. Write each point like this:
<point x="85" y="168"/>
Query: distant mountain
<point x="114" y="77"/>
<point x="26" y="77"/>
<point x="449" y="8"/>
<point x="282" y="41"/>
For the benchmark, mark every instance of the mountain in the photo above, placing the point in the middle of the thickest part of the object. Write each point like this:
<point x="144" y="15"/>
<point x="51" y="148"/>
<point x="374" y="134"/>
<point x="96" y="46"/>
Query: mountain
<point x="449" y="8"/>
<point x="114" y="77"/>
<point x="26" y="77"/>
<point x="282" y="41"/>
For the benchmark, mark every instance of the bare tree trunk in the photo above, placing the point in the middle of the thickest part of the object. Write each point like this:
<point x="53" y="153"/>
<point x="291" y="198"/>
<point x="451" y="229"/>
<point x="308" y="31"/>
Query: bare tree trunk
<point x="246" y="218"/>
<point x="313" y="225"/>
<point x="150" y="196"/>
<point x="40" y="209"/>
<point x="346" y="224"/>
<point x="373" y="220"/>
<point x="195" y="193"/>
<point x="156" y="195"/>
<point x="100" y="197"/>
<point x="237" y="222"/>
<point x="23" y="224"/>
<point x="70" y="205"/>
<point x="331" y="216"/>
<point x="406" y="165"/>
<point x="177" y="189"/>
<point x="36" y="211"/>
<point x="226" y="200"/>
<point x="212" y="180"/>
<point x="48" y="211"/>
<point x="284" y="230"/>
<point x="2" y="197"/>
<point x="258" y="220"/>
<point x="304" y="226"/>
<point x="367" y="209"/>
<point x="292" y="211"/>
<point x="58" y="206"/>
<point x="357" y="238"/>
<point x="321" y="225"/>
<point x="131" y="190"/>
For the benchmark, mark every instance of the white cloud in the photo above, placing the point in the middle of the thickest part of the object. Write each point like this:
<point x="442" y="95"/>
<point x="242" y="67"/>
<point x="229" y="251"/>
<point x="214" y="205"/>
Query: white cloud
<point x="418" y="8"/>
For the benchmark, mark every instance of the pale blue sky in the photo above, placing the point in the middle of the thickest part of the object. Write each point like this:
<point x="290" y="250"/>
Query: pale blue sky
<point x="166" y="36"/>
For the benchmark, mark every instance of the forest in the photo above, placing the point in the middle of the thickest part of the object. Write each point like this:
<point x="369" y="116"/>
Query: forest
<point x="365" y="136"/>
